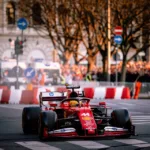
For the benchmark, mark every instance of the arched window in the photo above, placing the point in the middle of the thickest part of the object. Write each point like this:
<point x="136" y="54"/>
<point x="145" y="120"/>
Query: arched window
<point x="10" y="12"/>
<point x="36" y="14"/>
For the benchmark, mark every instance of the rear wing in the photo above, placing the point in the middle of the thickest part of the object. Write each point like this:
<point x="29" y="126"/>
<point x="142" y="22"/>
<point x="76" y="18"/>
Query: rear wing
<point x="72" y="87"/>
<point x="52" y="96"/>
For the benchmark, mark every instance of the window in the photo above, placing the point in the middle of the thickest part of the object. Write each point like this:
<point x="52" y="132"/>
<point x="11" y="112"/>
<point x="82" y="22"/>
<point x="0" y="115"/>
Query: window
<point x="10" y="12"/>
<point x="36" y="14"/>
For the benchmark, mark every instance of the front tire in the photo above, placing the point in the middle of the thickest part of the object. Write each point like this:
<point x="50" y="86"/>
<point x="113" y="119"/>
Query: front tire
<point x="47" y="122"/>
<point x="121" y="118"/>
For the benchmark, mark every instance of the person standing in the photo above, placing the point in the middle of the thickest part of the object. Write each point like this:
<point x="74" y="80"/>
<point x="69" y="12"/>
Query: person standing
<point x="88" y="77"/>
<point x="41" y="77"/>
<point x="68" y="78"/>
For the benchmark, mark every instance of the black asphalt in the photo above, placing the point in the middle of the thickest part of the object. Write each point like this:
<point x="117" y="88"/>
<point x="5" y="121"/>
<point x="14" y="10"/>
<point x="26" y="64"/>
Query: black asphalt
<point x="11" y="130"/>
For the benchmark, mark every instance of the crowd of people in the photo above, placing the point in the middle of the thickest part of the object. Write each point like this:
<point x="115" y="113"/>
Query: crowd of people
<point x="135" y="71"/>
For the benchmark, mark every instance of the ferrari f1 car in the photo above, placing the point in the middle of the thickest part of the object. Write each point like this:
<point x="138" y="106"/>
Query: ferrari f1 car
<point x="72" y="115"/>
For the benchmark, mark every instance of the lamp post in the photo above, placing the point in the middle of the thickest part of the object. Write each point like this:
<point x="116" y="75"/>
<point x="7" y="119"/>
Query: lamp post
<point x="109" y="43"/>
<point x="0" y="68"/>
<point x="22" y="25"/>
<point x="116" y="65"/>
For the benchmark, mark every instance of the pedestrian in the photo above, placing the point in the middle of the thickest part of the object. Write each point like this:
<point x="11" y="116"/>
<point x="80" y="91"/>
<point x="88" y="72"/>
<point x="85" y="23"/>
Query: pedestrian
<point x="55" y="79"/>
<point x="68" y="78"/>
<point x="88" y="77"/>
<point x="40" y="77"/>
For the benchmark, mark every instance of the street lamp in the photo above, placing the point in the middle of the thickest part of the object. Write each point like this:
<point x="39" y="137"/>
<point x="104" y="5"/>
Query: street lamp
<point x="109" y="43"/>
<point x="0" y="68"/>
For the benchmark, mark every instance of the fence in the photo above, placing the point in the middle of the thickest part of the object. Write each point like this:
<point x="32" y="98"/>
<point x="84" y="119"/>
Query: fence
<point x="144" y="92"/>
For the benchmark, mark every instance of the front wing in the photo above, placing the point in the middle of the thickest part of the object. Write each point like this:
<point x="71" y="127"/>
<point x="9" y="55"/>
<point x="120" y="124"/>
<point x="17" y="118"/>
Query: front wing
<point x="108" y="132"/>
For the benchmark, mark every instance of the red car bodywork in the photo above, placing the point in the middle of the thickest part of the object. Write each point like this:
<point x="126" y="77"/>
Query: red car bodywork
<point x="86" y="119"/>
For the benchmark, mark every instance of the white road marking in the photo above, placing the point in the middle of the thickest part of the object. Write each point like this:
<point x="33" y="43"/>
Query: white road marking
<point x="10" y="106"/>
<point x="89" y="144"/>
<point x="131" y="141"/>
<point x="140" y="117"/>
<point x="142" y="145"/>
<point x="141" y="123"/>
<point x="140" y="120"/>
<point x="16" y="106"/>
<point x="135" y="112"/>
<point x="124" y="108"/>
<point x="111" y="105"/>
<point x="35" y="145"/>
<point x="122" y="103"/>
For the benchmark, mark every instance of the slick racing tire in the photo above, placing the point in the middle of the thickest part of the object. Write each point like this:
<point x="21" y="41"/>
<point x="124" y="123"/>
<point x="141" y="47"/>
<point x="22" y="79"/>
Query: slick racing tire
<point x="47" y="122"/>
<point x="30" y="117"/>
<point x="121" y="118"/>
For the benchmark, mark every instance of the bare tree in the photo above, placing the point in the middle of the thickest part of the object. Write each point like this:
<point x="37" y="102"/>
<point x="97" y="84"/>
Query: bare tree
<point x="134" y="17"/>
<point x="58" y="22"/>
<point x="92" y="33"/>
<point x="69" y="22"/>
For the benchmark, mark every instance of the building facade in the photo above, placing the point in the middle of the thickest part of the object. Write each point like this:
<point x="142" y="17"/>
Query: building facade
<point x="34" y="47"/>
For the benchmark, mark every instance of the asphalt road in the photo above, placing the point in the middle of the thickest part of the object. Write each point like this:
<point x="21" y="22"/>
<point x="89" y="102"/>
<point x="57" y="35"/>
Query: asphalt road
<point x="12" y="137"/>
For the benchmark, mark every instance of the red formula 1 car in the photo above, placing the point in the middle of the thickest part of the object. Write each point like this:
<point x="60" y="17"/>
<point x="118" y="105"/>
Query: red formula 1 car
<point x="59" y="116"/>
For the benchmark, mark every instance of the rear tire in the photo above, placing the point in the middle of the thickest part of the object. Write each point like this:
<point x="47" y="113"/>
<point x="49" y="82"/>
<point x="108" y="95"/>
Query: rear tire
<point x="30" y="116"/>
<point x="47" y="121"/>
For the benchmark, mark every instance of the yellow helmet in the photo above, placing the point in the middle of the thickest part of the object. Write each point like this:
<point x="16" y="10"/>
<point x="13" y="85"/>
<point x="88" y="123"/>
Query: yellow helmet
<point x="74" y="103"/>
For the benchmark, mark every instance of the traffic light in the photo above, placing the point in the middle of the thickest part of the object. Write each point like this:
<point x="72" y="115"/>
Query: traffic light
<point x="18" y="46"/>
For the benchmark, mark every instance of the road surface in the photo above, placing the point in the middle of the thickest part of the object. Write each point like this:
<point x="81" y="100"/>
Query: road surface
<point x="12" y="137"/>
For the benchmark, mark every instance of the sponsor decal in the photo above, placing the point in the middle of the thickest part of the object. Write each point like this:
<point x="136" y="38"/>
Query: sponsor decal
<point x="89" y="123"/>
<point x="114" y="129"/>
<point x="90" y="128"/>
<point x="67" y="123"/>
<point x="86" y="118"/>
<point x="63" y="130"/>
<point x="51" y="94"/>
<point x="85" y="114"/>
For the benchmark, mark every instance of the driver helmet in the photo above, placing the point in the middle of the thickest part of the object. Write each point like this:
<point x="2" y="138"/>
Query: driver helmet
<point x="73" y="94"/>
<point x="73" y="103"/>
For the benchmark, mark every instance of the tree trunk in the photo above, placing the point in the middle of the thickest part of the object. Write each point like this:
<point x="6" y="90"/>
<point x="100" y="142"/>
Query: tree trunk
<point x="76" y="60"/>
<point x="104" y="61"/>
<point x="91" y="63"/>
<point x="105" y="70"/>
<point x="123" y="70"/>
<point x="68" y="56"/>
